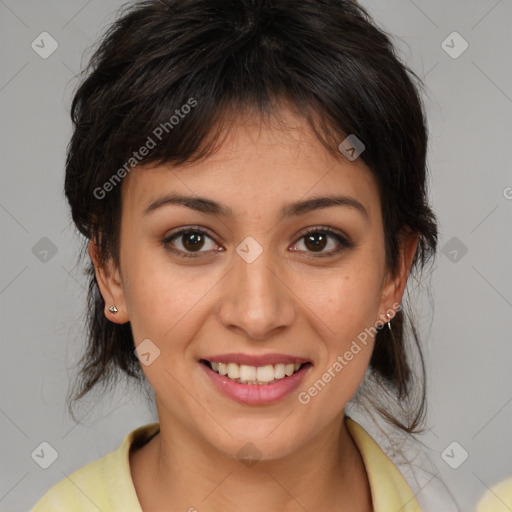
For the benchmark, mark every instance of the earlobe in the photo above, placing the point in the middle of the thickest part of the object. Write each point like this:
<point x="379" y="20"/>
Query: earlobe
<point x="110" y="285"/>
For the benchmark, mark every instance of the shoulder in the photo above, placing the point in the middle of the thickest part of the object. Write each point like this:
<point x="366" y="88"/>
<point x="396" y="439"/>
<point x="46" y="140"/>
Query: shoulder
<point x="399" y="469"/>
<point x="390" y="490"/>
<point x="83" y="490"/>
<point x="104" y="484"/>
<point x="498" y="498"/>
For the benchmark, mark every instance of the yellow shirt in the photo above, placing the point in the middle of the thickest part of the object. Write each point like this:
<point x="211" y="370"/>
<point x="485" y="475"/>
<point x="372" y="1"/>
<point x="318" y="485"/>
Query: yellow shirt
<point x="498" y="498"/>
<point x="106" y="484"/>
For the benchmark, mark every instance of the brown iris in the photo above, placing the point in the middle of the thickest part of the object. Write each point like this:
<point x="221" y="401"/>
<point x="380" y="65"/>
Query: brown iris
<point x="316" y="241"/>
<point x="193" y="241"/>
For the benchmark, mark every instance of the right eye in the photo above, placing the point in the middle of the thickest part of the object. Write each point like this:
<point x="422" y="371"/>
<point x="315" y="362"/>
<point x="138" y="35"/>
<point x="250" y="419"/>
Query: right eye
<point x="191" y="240"/>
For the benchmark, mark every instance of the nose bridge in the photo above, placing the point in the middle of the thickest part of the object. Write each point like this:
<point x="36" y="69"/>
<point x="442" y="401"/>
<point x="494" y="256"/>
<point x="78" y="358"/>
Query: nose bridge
<point x="256" y="278"/>
<point x="256" y="300"/>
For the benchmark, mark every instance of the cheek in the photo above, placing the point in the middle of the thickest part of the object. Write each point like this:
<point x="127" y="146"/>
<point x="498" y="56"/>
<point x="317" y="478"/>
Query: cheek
<point x="161" y="297"/>
<point x="347" y="298"/>
<point x="348" y="308"/>
<point x="348" y="305"/>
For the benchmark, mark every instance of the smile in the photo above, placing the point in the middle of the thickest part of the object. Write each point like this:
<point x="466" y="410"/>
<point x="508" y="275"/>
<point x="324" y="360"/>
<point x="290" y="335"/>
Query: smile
<point x="255" y="385"/>
<point x="255" y="375"/>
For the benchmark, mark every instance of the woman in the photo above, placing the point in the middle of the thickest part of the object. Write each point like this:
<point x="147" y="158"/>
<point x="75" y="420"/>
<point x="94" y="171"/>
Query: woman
<point x="250" y="179"/>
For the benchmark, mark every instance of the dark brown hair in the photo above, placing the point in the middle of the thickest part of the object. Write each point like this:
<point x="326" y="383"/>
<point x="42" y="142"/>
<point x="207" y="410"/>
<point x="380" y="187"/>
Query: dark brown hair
<point x="326" y="59"/>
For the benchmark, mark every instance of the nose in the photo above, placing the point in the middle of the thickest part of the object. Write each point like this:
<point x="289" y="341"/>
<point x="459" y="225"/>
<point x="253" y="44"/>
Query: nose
<point x="257" y="301"/>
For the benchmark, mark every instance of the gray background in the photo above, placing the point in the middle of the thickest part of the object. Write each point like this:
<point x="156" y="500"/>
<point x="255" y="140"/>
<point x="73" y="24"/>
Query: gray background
<point x="466" y="335"/>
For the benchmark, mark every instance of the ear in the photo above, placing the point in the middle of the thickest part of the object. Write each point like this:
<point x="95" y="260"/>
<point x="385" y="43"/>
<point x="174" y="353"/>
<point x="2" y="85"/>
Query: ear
<point x="394" y="286"/>
<point x="111" y="287"/>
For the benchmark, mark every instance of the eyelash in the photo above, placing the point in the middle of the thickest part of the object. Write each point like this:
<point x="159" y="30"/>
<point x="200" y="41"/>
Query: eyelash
<point x="342" y="241"/>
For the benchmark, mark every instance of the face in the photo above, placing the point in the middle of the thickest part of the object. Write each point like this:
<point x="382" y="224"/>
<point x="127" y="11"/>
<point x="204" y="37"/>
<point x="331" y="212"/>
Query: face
<point x="249" y="280"/>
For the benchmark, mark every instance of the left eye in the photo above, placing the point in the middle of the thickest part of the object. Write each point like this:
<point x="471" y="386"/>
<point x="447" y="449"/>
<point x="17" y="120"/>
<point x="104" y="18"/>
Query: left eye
<point x="317" y="239"/>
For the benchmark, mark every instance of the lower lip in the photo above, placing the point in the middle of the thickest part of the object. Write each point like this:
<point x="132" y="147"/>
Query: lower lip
<point x="255" y="394"/>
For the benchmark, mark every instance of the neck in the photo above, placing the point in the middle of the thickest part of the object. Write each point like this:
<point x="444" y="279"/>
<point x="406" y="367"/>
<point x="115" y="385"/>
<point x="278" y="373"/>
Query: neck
<point x="179" y="468"/>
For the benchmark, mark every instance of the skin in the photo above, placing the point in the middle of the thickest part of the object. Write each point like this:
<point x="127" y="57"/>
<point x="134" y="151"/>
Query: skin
<point x="292" y="302"/>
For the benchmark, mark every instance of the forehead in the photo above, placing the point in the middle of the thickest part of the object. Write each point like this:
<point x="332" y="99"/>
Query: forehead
<point x="258" y="166"/>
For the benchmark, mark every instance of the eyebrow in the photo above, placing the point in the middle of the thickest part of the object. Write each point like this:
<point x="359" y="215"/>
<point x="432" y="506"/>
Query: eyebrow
<point x="208" y="206"/>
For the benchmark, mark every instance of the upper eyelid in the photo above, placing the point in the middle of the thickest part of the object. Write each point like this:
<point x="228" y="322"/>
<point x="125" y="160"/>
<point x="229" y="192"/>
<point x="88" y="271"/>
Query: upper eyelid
<point x="187" y="229"/>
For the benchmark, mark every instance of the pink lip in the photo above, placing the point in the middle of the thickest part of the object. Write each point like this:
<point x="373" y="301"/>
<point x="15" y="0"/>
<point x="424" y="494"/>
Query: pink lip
<point x="254" y="394"/>
<point x="251" y="360"/>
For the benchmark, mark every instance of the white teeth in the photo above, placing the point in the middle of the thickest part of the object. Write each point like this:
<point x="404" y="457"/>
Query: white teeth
<point x="233" y="371"/>
<point x="289" y="369"/>
<point x="255" y="374"/>
<point x="279" y="371"/>
<point x="247" y="373"/>
<point x="265" y="373"/>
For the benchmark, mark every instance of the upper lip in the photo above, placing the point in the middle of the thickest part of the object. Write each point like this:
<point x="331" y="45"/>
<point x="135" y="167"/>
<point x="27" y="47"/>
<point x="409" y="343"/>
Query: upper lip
<point x="256" y="360"/>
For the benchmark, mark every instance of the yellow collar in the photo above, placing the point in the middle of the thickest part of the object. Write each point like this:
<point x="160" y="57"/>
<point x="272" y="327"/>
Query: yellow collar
<point x="389" y="488"/>
<point x="106" y="483"/>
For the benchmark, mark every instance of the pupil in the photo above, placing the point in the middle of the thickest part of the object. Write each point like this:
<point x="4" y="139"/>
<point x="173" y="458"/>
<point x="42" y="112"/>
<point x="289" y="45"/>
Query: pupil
<point x="319" y="245"/>
<point x="191" y="239"/>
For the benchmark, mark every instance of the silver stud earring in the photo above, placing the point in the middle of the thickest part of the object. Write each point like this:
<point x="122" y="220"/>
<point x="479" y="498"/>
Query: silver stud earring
<point x="389" y="318"/>
<point x="113" y="309"/>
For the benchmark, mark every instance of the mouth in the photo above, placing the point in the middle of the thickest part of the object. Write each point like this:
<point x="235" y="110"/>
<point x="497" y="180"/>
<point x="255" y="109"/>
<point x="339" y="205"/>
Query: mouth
<point x="256" y="375"/>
